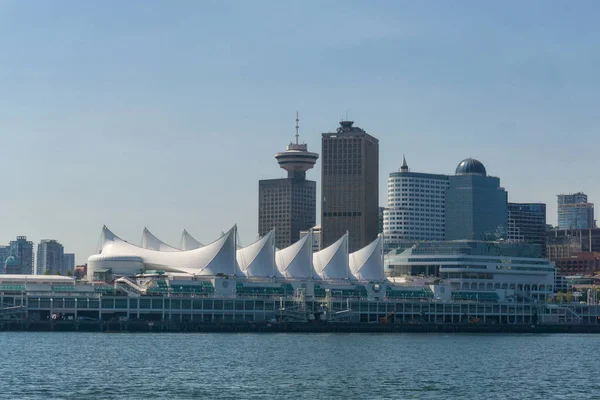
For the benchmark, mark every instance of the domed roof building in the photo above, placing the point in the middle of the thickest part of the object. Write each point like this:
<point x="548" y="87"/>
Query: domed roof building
<point x="470" y="166"/>
<point x="476" y="204"/>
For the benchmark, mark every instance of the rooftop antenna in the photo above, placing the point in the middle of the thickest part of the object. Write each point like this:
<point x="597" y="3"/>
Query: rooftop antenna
<point x="297" y="126"/>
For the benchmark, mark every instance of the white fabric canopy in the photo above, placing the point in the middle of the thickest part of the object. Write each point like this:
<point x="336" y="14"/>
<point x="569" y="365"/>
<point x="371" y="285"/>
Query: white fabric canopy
<point x="258" y="259"/>
<point x="188" y="242"/>
<point x="151" y="242"/>
<point x="215" y="258"/>
<point x="332" y="261"/>
<point x="366" y="264"/>
<point x="295" y="261"/>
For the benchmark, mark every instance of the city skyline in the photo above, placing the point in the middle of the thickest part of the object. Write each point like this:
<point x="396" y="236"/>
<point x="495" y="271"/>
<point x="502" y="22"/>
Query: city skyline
<point x="121" y="107"/>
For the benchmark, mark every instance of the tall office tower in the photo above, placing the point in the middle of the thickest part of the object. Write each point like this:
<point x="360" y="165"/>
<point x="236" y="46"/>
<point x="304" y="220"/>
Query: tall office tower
<point x="22" y="250"/>
<point x="289" y="204"/>
<point x="69" y="262"/>
<point x="50" y="258"/>
<point x="574" y="211"/>
<point x="476" y="205"/>
<point x="527" y="224"/>
<point x="349" y="186"/>
<point x="416" y="206"/>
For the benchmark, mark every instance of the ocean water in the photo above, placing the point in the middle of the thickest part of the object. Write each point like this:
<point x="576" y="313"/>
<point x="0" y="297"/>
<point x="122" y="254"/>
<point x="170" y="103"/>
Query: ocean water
<point x="316" y="366"/>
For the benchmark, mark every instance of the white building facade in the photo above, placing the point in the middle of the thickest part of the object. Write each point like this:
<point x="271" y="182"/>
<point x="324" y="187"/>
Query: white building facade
<point x="416" y="206"/>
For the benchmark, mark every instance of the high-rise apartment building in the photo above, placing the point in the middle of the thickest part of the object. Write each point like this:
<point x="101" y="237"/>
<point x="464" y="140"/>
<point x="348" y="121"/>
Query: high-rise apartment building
<point x="574" y="211"/>
<point x="476" y="205"/>
<point x="69" y="262"/>
<point x="22" y="250"/>
<point x="416" y="206"/>
<point x="50" y="258"/>
<point x="349" y="186"/>
<point x="289" y="204"/>
<point x="527" y="224"/>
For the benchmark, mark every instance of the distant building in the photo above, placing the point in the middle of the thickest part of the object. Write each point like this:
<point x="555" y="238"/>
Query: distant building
<point x="316" y="246"/>
<point x="290" y="204"/>
<point x="527" y="224"/>
<point x="574" y="211"/>
<point x="80" y="271"/>
<point x="22" y="250"/>
<point x="349" y="186"/>
<point x="4" y="254"/>
<point x="69" y="261"/>
<point x="50" y="258"/>
<point x="587" y="263"/>
<point x="416" y="207"/>
<point x="476" y="205"/>
<point x="564" y="243"/>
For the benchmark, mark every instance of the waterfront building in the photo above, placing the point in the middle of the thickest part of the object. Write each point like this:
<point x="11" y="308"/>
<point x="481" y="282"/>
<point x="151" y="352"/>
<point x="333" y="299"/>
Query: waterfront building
<point x="574" y="211"/>
<point x="349" y="186"/>
<point x="316" y="235"/>
<point x="527" y="224"/>
<point x="50" y="258"/>
<point x="69" y="262"/>
<point x="289" y="204"/>
<point x="416" y="207"/>
<point x="22" y="250"/>
<point x="495" y="269"/>
<point x="585" y="263"/>
<point x="476" y="205"/>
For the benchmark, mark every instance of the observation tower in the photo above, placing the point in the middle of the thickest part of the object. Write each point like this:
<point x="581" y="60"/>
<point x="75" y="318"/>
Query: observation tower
<point x="296" y="159"/>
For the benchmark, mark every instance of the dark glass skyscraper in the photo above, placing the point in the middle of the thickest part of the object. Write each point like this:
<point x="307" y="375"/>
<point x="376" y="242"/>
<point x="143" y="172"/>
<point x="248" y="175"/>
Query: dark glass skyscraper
<point x="527" y="224"/>
<point x="290" y="204"/>
<point x="476" y="205"/>
<point x="349" y="186"/>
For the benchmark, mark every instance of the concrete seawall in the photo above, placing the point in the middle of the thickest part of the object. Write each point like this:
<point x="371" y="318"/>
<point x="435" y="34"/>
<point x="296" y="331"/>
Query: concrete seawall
<point x="139" y="326"/>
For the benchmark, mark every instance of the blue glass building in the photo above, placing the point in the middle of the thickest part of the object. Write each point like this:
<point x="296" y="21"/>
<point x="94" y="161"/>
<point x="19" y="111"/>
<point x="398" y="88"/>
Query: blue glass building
<point x="476" y="205"/>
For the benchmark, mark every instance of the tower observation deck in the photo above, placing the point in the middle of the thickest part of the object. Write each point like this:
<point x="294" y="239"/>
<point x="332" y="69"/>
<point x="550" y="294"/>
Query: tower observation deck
<point x="296" y="160"/>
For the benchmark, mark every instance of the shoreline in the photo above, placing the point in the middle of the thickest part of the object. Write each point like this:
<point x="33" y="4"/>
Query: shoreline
<point x="175" y="327"/>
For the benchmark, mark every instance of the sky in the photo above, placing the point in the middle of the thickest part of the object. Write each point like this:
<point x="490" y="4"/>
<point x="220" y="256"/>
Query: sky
<point x="165" y="114"/>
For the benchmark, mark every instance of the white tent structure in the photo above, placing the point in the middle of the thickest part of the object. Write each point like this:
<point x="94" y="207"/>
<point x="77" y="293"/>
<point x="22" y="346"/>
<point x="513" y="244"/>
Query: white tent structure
<point x="258" y="259"/>
<point x="295" y="261"/>
<point x="366" y="264"/>
<point x="332" y="261"/>
<point x="151" y="242"/>
<point x="212" y="259"/>
<point x="188" y="242"/>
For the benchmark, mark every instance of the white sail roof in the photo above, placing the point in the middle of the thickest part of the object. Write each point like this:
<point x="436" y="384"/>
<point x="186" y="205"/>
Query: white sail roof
<point x="217" y="257"/>
<point x="332" y="261"/>
<point x="258" y="259"/>
<point x="295" y="261"/>
<point x="366" y="264"/>
<point x="188" y="242"/>
<point x="151" y="242"/>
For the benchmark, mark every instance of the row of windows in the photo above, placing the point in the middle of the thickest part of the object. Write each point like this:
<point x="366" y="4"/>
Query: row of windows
<point x="342" y="214"/>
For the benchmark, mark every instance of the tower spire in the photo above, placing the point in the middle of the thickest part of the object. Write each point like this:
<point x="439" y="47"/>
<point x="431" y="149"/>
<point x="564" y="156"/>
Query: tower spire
<point x="404" y="167"/>
<point x="297" y="126"/>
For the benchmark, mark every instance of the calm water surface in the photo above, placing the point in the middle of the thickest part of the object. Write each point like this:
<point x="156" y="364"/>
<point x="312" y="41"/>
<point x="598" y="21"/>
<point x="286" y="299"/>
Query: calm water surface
<point x="270" y="366"/>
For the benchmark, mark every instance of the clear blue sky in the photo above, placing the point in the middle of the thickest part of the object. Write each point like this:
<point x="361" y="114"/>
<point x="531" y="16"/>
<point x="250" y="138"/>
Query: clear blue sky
<point x="166" y="114"/>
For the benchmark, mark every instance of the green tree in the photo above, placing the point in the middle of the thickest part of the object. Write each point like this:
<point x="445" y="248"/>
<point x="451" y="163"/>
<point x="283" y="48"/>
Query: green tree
<point x="69" y="273"/>
<point x="569" y="297"/>
<point x="559" y="297"/>
<point x="47" y="272"/>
